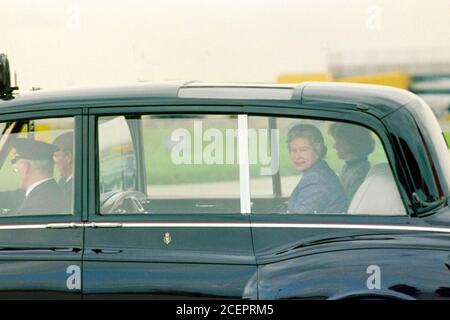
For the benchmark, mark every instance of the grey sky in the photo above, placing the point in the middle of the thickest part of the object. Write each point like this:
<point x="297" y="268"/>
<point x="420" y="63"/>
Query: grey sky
<point x="55" y="44"/>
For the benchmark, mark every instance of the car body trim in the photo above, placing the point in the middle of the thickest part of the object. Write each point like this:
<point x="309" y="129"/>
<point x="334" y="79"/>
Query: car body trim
<point x="22" y="226"/>
<point x="226" y="225"/>
<point x="284" y="225"/>
<point x="350" y="226"/>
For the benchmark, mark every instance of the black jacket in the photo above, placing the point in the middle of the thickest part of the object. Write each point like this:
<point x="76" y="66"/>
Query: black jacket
<point x="46" y="198"/>
<point x="67" y="191"/>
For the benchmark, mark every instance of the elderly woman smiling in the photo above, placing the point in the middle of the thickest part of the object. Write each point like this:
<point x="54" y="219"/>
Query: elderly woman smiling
<point x="319" y="189"/>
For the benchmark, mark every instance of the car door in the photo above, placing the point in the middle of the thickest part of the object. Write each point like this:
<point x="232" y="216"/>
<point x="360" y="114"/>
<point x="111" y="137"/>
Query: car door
<point x="328" y="218"/>
<point x="41" y="247"/>
<point x="180" y="232"/>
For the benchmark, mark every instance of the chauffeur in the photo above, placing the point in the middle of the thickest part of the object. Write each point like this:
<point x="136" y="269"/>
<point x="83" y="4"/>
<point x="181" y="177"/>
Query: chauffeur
<point x="39" y="194"/>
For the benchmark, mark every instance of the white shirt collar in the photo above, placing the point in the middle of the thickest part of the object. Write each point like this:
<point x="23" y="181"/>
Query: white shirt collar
<point x="34" y="185"/>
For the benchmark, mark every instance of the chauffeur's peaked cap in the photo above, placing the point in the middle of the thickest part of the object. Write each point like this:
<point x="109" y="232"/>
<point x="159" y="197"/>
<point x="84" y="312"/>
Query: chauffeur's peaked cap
<point x="30" y="149"/>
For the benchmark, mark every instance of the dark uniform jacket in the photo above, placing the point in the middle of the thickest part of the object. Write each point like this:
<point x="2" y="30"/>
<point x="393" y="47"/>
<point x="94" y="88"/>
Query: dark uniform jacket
<point x="67" y="192"/>
<point x="45" y="198"/>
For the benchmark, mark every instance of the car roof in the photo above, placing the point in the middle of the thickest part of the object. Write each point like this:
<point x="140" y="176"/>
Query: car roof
<point x="381" y="99"/>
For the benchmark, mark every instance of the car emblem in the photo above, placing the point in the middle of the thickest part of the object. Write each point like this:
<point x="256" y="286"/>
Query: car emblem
<point x="167" y="238"/>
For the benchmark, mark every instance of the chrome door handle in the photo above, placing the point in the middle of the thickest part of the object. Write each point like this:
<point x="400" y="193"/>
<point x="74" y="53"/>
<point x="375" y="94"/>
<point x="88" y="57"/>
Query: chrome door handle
<point x="103" y="225"/>
<point x="106" y="251"/>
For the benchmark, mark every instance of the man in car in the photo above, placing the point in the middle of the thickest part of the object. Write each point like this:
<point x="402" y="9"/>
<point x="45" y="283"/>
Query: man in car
<point x="39" y="193"/>
<point x="63" y="158"/>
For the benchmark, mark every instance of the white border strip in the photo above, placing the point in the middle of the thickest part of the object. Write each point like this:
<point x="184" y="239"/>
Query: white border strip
<point x="184" y="225"/>
<point x="23" y="226"/>
<point x="281" y="225"/>
<point x="225" y="225"/>
<point x="349" y="226"/>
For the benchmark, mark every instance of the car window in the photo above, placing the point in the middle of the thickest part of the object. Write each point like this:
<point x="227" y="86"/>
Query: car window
<point x="37" y="167"/>
<point x="189" y="162"/>
<point x="319" y="167"/>
<point x="116" y="155"/>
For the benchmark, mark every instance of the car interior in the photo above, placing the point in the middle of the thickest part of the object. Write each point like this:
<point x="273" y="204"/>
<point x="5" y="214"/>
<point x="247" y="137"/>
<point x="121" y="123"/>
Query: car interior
<point x="123" y="188"/>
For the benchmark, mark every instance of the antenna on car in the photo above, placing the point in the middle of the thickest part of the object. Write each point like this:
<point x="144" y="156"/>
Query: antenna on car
<point x="6" y="90"/>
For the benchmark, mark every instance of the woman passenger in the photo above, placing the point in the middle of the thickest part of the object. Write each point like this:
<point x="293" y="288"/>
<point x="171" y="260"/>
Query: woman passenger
<point x="353" y="144"/>
<point x="319" y="189"/>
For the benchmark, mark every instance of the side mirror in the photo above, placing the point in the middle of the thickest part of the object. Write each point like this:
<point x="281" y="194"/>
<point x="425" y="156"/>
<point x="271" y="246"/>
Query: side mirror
<point x="5" y="77"/>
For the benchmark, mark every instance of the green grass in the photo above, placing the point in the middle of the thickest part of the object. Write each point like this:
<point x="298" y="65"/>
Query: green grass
<point x="447" y="137"/>
<point x="162" y="170"/>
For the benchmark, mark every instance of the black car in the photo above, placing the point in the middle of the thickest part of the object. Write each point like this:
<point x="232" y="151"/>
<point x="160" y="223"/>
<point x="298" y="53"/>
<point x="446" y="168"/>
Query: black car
<point x="308" y="191"/>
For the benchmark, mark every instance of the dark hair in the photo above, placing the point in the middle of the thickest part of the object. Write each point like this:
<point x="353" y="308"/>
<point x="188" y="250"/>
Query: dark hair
<point x="65" y="142"/>
<point x="310" y="132"/>
<point x="358" y="138"/>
